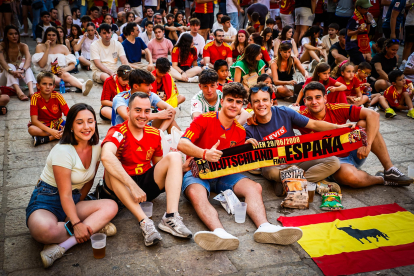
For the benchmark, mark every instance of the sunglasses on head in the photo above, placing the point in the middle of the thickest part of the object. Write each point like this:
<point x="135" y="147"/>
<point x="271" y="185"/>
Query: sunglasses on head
<point x="256" y="89"/>
<point x="286" y="41"/>
<point x="395" y="41"/>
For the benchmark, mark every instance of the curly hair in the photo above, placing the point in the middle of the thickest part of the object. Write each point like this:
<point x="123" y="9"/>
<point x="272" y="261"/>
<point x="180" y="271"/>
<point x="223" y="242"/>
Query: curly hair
<point x="184" y="45"/>
<point x="234" y="89"/>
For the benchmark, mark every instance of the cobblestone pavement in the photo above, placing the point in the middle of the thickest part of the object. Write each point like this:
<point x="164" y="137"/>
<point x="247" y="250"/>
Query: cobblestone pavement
<point x="21" y="165"/>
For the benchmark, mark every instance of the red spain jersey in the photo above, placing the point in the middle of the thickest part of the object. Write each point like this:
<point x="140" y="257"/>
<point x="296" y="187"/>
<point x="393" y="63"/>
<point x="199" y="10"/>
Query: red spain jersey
<point x="192" y="56"/>
<point x="375" y="10"/>
<point x="287" y="6"/>
<point x="336" y="114"/>
<point x="204" y="8"/>
<point x="215" y="53"/>
<point x="135" y="156"/>
<point x="47" y="111"/>
<point x="319" y="7"/>
<point x="274" y="6"/>
<point x="350" y="86"/>
<point x="220" y="86"/>
<point x="206" y="130"/>
<point x="393" y="97"/>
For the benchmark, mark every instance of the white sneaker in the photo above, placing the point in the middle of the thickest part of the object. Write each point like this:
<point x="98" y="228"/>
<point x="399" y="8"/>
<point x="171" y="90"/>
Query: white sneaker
<point x="50" y="253"/>
<point x="86" y="87"/>
<point x="175" y="226"/>
<point x="277" y="234"/>
<point x="109" y="229"/>
<point x="402" y="66"/>
<point x="312" y="65"/>
<point x="217" y="240"/>
<point x="193" y="79"/>
<point x="24" y="34"/>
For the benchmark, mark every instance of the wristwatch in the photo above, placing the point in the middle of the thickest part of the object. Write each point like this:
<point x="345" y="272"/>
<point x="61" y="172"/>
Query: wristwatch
<point x="10" y="70"/>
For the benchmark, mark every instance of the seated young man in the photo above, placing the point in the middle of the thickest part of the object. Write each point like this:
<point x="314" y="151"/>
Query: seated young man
<point x="134" y="46"/>
<point x="207" y="135"/>
<point x="43" y="25"/>
<point x="172" y="29"/>
<point x="104" y="54"/>
<point x="46" y="108"/>
<point x="216" y="50"/>
<point x="164" y="85"/>
<point x="272" y="122"/>
<point x="112" y="87"/>
<point x="209" y="98"/>
<point x="127" y="153"/>
<point x="148" y="34"/>
<point x="94" y="12"/>
<point x="141" y="81"/>
<point x="349" y="174"/>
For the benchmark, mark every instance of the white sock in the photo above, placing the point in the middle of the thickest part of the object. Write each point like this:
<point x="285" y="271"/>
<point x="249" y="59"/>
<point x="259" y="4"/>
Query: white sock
<point x="264" y="224"/>
<point x="219" y="230"/>
<point x="69" y="243"/>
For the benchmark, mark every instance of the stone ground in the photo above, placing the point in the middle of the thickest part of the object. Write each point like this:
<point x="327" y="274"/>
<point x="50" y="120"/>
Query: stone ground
<point x="21" y="165"/>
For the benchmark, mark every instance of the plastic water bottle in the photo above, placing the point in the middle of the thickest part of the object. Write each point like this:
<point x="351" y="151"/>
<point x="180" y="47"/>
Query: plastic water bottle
<point x="371" y="19"/>
<point x="369" y="93"/>
<point x="62" y="86"/>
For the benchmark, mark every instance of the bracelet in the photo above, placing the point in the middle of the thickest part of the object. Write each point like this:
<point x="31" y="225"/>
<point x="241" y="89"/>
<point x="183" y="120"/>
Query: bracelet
<point x="76" y="223"/>
<point x="204" y="154"/>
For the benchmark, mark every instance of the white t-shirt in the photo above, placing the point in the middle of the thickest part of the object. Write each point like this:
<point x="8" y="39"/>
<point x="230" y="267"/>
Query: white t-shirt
<point x="144" y="37"/>
<point x="265" y="2"/>
<point x="198" y="41"/>
<point x="409" y="20"/>
<point x="216" y="26"/>
<point x="77" y="22"/>
<point x="200" y="104"/>
<point x="230" y="7"/>
<point x="86" y="46"/>
<point x="410" y="65"/>
<point x="108" y="55"/>
<point x="66" y="156"/>
<point x="230" y="33"/>
<point x="150" y="3"/>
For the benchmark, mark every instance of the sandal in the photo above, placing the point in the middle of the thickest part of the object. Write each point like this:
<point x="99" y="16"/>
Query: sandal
<point x="23" y="97"/>
<point x="3" y="110"/>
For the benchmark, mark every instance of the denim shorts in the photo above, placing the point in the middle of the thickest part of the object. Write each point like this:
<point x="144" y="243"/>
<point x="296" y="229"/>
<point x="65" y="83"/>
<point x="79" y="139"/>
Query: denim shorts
<point x="352" y="159"/>
<point x="47" y="197"/>
<point x="216" y="185"/>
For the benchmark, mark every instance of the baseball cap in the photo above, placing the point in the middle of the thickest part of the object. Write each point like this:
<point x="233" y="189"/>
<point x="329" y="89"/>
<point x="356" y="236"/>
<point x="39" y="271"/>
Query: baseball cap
<point x="363" y="3"/>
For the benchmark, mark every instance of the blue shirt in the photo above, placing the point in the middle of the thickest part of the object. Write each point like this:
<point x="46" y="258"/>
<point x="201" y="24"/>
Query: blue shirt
<point x="133" y="51"/>
<point x="396" y="5"/>
<point x="122" y="99"/>
<point x="281" y="125"/>
<point x="352" y="42"/>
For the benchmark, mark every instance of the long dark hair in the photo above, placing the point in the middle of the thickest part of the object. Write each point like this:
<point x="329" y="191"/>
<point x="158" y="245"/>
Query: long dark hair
<point x="311" y="33"/>
<point x="65" y="26"/>
<point x="68" y="137"/>
<point x="285" y="46"/>
<point x="78" y="28"/>
<point x="257" y="39"/>
<point x="268" y="43"/>
<point x="184" y="45"/>
<point x="250" y="54"/>
<point x="6" y="40"/>
<point x="237" y="42"/>
<point x="284" y="32"/>
<point x="321" y="67"/>
<point x="53" y="30"/>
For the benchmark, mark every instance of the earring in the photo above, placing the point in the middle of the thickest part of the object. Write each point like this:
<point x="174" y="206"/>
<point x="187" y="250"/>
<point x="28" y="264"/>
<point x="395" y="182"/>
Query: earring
<point x="71" y="130"/>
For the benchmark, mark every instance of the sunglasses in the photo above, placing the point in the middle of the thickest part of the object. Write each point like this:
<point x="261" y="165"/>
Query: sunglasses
<point x="395" y="41"/>
<point x="286" y="41"/>
<point x="256" y="89"/>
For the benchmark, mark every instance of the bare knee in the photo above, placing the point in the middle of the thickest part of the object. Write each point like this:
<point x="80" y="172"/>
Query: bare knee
<point x="348" y="175"/>
<point x="45" y="232"/>
<point x="174" y="157"/>
<point x="109" y="207"/>
<point x="194" y="193"/>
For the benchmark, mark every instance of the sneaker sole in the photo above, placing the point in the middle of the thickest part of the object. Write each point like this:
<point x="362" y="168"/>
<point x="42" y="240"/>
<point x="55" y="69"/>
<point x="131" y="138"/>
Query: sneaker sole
<point x="88" y="87"/>
<point x="154" y="242"/>
<point x="389" y="115"/>
<point x="45" y="260"/>
<point x="399" y="183"/>
<point x="173" y="232"/>
<point x="282" y="237"/>
<point x="211" y="242"/>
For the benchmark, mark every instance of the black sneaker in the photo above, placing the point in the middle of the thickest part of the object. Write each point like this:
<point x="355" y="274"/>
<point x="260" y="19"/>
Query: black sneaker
<point x="394" y="177"/>
<point x="38" y="140"/>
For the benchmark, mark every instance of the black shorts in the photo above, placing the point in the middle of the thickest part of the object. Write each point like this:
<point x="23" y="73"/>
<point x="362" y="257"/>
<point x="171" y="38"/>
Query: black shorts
<point x="26" y="2"/>
<point x="355" y="56"/>
<point x="184" y="68"/>
<point x="5" y="8"/>
<point x="409" y="33"/>
<point x="387" y="33"/>
<point x="206" y="19"/>
<point x="102" y="116"/>
<point x="146" y="182"/>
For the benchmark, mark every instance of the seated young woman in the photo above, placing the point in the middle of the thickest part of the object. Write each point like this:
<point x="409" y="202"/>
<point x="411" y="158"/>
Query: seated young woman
<point x="84" y="45"/>
<point x="184" y="60"/>
<point x="58" y="198"/>
<point x="51" y="52"/>
<point x="285" y="36"/>
<point x="283" y="67"/>
<point x="312" y="48"/>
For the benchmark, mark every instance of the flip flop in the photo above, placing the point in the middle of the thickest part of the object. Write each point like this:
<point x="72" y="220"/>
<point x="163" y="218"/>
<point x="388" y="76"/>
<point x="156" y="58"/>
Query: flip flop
<point x="23" y="97"/>
<point x="1" y="110"/>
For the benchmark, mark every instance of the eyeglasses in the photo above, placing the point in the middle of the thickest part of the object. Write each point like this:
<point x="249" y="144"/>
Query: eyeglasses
<point x="256" y="89"/>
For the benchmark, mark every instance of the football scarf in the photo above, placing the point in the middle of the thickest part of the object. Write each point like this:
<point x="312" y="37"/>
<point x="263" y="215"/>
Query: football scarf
<point x="170" y="88"/>
<point x="280" y="151"/>
<point x="119" y="88"/>
<point x="363" y="39"/>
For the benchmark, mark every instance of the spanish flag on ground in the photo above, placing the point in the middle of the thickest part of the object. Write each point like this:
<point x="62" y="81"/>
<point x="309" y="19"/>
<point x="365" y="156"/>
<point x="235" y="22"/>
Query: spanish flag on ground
<point x="357" y="240"/>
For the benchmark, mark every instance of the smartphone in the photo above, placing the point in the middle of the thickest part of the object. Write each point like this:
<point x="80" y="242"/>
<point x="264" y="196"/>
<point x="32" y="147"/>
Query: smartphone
<point x="69" y="228"/>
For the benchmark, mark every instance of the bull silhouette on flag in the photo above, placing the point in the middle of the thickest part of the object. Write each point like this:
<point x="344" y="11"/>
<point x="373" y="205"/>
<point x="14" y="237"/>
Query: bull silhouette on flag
<point x="363" y="234"/>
